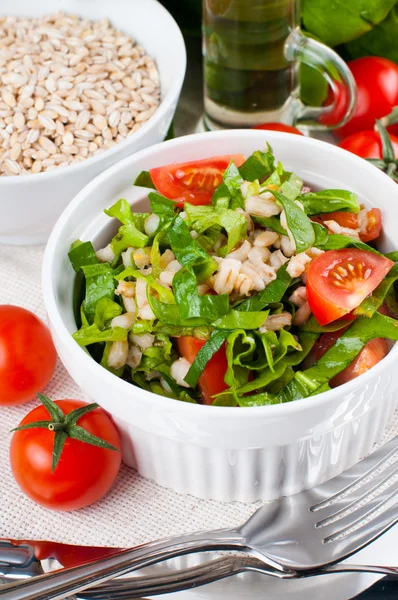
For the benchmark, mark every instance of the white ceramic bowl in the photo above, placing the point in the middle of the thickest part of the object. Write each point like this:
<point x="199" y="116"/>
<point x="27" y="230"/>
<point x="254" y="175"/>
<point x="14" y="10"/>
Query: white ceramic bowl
<point x="228" y="454"/>
<point x="31" y="204"/>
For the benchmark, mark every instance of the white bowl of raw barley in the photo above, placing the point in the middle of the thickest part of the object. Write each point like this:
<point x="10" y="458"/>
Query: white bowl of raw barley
<point x="79" y="90"/>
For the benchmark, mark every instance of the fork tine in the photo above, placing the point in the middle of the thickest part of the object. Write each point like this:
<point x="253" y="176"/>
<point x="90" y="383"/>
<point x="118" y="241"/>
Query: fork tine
<point x="354" y="478"/>
<point x="367" y="534"/>
<point x="374" y="486"/>
<point x="359" y="519"/>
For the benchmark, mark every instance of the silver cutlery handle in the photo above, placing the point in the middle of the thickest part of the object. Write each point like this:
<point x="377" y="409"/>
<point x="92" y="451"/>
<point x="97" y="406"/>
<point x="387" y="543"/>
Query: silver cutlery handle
<point x="204" y="574"/>
<point x="62" y="583"/>
<point x="347" y="568"/>
<point x="210" y="572"/>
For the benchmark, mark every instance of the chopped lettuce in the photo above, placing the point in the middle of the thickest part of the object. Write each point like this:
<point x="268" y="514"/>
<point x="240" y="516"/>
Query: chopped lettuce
<point x="297" y="221"/>
<point x="82" y="254"/>
<point x="259" y="165"/>
<point x="191" y="304"/>
<point x="100" y="284"/>
<point x="203" y="218"/>
<point x="327" y="201"/>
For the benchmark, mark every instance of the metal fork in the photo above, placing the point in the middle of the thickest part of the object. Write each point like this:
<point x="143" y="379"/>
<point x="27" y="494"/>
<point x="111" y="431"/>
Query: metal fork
<point x="291" y="536"/>
<point x="210" y="572"/>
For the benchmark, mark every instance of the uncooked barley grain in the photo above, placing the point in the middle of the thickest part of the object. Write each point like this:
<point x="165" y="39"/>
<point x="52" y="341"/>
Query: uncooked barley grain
<point x="69" y="88"/>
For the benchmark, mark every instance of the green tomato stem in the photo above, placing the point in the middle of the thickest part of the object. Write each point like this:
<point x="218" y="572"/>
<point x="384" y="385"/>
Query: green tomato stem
<point x="58" y="427"/>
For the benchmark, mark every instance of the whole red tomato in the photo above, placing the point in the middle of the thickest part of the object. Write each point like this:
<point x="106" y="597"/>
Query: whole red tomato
<point x="278" y="127"/>
<point x="377" y="89"/>
<point x="27" y="355"/>
<point x="84" y="472"/>
<point x="367" y="144"/>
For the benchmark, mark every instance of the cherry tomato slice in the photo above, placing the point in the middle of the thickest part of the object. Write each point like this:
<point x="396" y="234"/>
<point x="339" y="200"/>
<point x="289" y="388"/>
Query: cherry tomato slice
<point x="372" y="353"/>
<point x="194" y="181"/>
<point x="344" y="219"/>
<point x="370" y="230"/>
<point x="212" y="379"/>
<point x="338" y="281"/>
<point x="278" y="127"/>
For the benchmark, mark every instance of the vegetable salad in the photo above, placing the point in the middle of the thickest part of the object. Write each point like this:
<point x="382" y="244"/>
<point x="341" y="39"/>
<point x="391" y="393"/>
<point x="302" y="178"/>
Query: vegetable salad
<point x="240" y="287"/>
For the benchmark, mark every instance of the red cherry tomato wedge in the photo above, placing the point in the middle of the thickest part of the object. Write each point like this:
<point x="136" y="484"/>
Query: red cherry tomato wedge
<point x="338" y="281"/>
<point x="367" y="144"/>
<point x="84" y="473"/>
<point x="370" y="228"/>
<point x="194" y="181"/>
<point x="278" y="127"/>
<point x="27" y="355"/>
<point x="212" y="379"/>
<point x="372" y="353"/>
<point x="344" y="219"/>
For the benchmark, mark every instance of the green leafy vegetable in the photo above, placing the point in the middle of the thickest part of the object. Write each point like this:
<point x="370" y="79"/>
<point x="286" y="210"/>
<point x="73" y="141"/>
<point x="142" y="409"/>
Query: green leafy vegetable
<point x="259" y="165"/>
<point x="144" y="179"/>
<point x="240" y="349"/>
<point x="163" y="207"/>
<point x="373" y="302"/>
<point x="297" y="221"/>
<point x="191" y="304"/>
<point x="241" y="320"/>
<point x="93" y="334"/>
<point x="188" y="252"/>
<point x="336" y="241"/>
<point x="380" y="41"/>
<point x="321" y="234"/>
<point x="105" y="311"/>
<point x="271" y="223"/>
<point x="164" y="293"/>
<point x="232" y="178"/>
<point x="274" y="292"/>
<point x="202" y="218"/>
<point x="291" y="188"/>
<point x="328" y="201"/>
<point x="338" y="22"/>
<point x="100" y="283"/>
<point x="82" y="254"/>
<point x="128" y="235"/>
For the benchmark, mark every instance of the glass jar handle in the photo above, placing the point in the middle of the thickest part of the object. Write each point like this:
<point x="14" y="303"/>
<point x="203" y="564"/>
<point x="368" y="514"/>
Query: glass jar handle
<point x="299" y="47"/>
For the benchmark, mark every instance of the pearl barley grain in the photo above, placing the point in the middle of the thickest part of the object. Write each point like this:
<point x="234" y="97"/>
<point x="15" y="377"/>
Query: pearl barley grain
<point x="69" y="88"/>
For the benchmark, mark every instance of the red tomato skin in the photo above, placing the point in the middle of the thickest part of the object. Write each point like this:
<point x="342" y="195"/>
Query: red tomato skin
<point x="367" y="144"/>
<point x="372" y="353"/>
<point x="374" y="226"/>
<point x="171" y="186"/>
<point x="377" y="93"/>
<point x="350" y="220"/>
<point x="212" y="379"/>
<point x="329" y="302"/>
<point x="84" y="473"/>
<point x="278" y="127"/>
<point x="27" y="355"/>
<point x="345" y="219"/>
